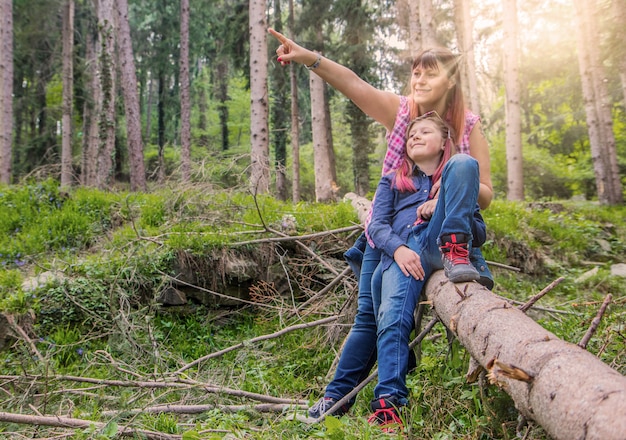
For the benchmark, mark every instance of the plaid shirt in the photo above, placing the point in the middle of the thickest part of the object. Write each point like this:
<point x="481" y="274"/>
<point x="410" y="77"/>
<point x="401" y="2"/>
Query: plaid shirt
<point x="396" y="144"/>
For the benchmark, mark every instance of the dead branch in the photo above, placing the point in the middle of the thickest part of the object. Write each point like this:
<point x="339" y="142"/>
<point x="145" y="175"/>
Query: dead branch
<point x="72" y="423"/>
<point x="199" y="409"/>
<point x="178" y="384"/>
<point x="326" y="289"/>
<point x="595" y="323"/>
<point x="287" y="238"/>
<point x="16" y="328"/>
<point x="257" y="339"/>
<point x="538" y="296"/>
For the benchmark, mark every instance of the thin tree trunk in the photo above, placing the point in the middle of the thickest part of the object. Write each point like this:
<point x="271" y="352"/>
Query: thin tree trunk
<point x="514" y="159"/>
<point x="68" y="89"/>
<point x="597" y="107"/>
<point x="185" y="104"/>
<point x="130" y="90"/>
<point x="464" y="31"/>
<point x="106" y="124"/>
<point x="221" y="93"/>
<point x="295" y="117"/>
<point x="415" y="29"/>
<point x="91" y="110"/>
<point x="427" y="24"/>
<point x="324" y="183"/>
<point x="619" y="12"/>
<point x="564" y="388"/>
<point x="149" y="100"/>
<point x="259" y="106"/>
<point x="6" y="89"/>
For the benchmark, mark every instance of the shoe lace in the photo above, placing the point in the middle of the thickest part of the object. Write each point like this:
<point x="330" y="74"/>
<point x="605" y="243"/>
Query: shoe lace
<point x="457" y="253"/>
<point x="323" y="405"/>
<point x="385" y="416"/>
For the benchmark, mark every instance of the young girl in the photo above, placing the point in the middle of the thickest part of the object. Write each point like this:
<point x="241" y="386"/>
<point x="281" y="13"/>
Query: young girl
<point x="414" y="247"/>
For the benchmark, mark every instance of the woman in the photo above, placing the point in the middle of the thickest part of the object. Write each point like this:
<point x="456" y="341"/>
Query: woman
<point x="434" y="86"/>
<point x="413" y="248"/>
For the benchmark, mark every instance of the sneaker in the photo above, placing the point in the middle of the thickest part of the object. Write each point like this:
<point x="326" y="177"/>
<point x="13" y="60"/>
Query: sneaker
<point x="386" y="414"/>
<point x="323" y="405"/>
<point x="478" y="261"/>
<point x="455" y="258"/>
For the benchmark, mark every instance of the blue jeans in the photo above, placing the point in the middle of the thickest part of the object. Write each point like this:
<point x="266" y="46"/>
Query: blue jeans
<point x="397" y="296"/>
<point x="359" y="352"/>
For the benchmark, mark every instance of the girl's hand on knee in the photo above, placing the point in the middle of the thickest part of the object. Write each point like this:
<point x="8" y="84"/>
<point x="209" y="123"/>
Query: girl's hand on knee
<point x="409" y="263"/>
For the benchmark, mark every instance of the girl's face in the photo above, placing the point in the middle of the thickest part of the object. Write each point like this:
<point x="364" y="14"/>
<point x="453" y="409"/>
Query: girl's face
<point x="430" y="86"/>
<point x="425" y="141"/>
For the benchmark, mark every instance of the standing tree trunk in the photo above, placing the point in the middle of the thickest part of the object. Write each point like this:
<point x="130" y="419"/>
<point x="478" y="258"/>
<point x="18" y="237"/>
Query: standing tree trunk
<point x="464" y="31"/>
<point x="415" y="29"/>
<point x="259" y="111"/>
<point x="427" y="24"/>
<point x="131" y="101"/>
<point x="597" y="106"/>
<point x="619" y="49"/>
<point x="325" y="185"/>
<point x="106" y="119"/>
<point x="514" y="160"/>
<point x="68" y="86"/>
<point x="295" y="117"/>
<point x="185" y="104"/>
<point x="6" y="89"/>
<point x="279" y="116"/>
<point x="355" y="35"/>
<point x="221" y="93"/>
<point x="91" y="109"/>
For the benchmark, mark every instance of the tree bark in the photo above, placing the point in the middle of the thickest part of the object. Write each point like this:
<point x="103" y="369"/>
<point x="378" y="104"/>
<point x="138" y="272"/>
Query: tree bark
<point x="131" y="100"/>
<point x="569" y="392"/>
<point x="6" y="89"/>
<point x="415" y="31"/>
<point x="68" y="86"/>
<point x="106" y="118"/>
<point x="324" y="182"/>
<point x="597" y="106"/>
<point x="259" y="106"/>
<point x="91" y="109"/>
<point x="295" y="117"/>
<point x="427" y="24"/>
<point x="510" y="55"/>
<point x="619" y="14"/>
<point x="185" y="103"/>
<point x="464" y="32"/>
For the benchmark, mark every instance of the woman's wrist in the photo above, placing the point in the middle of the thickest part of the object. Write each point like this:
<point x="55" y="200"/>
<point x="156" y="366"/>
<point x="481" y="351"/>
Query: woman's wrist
<point x="315" y="64"/>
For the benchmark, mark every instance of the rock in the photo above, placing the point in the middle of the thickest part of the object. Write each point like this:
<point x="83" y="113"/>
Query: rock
<point x="618" y="270"/>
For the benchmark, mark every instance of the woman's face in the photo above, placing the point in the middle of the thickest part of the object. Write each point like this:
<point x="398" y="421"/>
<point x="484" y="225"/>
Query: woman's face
<point x="425" y="141"/>
<point x="430" y="86"/>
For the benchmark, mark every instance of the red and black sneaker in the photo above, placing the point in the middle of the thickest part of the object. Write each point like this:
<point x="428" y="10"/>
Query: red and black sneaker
<point x="455" y="258"/>
<point x="386" y="414"/>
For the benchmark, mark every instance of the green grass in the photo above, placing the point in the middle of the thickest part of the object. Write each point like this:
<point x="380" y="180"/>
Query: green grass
<point x="112" y="252"/>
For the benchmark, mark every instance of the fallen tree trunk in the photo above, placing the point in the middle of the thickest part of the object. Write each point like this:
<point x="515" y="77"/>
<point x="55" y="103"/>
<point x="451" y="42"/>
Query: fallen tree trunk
<point x="564" y="388"/>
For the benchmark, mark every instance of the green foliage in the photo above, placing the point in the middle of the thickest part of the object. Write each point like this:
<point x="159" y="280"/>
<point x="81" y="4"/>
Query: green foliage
<point x="99" y="318"/>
